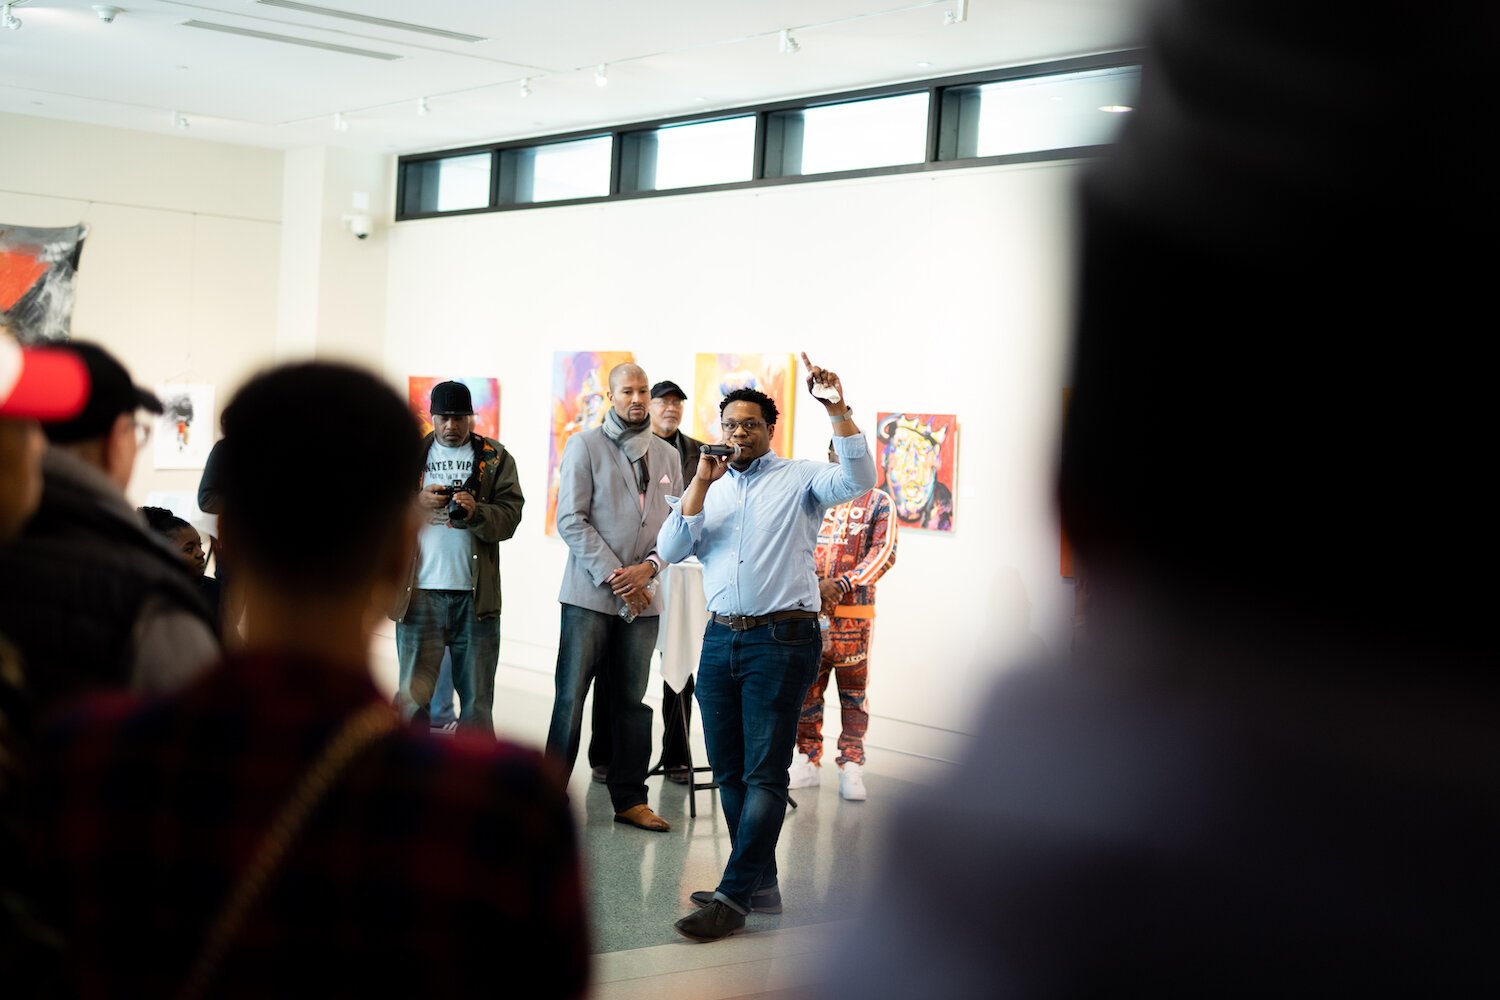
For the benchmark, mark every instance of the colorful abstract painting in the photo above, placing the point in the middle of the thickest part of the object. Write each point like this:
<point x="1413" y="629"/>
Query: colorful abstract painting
<point x="716" y="375"/>
<point x="580" y="382"/>
<point x="485" y="392"/>
<point x="37" y="270"/>
<point x="917" y="456"/>
<point x="185" y="431"/>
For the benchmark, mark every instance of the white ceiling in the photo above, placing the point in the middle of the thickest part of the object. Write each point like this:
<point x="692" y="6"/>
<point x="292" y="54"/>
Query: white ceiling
<point x="664" y="57"/>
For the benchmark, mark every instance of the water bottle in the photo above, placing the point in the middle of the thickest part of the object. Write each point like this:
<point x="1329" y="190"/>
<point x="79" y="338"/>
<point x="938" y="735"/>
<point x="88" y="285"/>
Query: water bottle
<point x="625" y="613"/>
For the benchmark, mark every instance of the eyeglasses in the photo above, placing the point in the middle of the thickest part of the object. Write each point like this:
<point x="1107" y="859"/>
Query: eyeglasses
<point x="751" y="426"/>
<point x="143" y="427"/>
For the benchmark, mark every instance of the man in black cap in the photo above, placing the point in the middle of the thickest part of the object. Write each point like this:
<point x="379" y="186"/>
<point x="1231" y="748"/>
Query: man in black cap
<point x="666" y="423"/>
<point x="665" y="409"/>
<point x="89" y="595"/>
<point x="470" y="499"/>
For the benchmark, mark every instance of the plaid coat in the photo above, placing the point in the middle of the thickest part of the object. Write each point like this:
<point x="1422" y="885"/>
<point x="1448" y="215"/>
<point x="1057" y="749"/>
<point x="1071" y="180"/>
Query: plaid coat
<point x="432" y="865"/>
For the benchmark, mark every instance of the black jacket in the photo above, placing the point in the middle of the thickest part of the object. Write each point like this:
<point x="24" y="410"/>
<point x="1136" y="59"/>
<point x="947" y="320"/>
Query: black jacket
<point x="81" y="585"/>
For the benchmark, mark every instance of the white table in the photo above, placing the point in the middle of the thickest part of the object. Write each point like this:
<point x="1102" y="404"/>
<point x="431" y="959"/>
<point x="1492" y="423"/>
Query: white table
<point x="684" y="615"/>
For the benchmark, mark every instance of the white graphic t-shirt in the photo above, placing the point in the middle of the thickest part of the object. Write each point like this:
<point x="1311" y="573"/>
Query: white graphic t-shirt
<point x="447" y="552"/>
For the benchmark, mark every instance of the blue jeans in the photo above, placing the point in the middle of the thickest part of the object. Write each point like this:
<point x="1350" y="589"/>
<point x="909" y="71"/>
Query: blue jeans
<point x="440" y="712"/>
<point x="438" y="620"/>
<point x="751" y="686"/>
<point x="619" y="652"/>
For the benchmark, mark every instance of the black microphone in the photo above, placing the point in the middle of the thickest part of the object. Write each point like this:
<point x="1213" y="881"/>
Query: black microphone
<point x="720" y="450"/>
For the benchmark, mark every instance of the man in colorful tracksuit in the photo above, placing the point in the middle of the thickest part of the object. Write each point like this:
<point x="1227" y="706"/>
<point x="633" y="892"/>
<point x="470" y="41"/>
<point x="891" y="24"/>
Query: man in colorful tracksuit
<point x="856" y="545"/>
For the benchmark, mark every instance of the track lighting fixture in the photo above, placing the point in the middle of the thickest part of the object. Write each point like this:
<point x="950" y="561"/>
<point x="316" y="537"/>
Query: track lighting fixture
<point x="10" y="20"/>
<point x="423" y="108"/>
<point x="340" y="123"/>
<point x="526" y="86"/>
<point x="601" y="76"/>
<point x="179" y="121"/>
<point x="959" y="14"/>
<point x="789" y="45"/>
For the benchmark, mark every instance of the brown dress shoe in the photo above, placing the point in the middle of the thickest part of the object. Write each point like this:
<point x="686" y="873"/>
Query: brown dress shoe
<point x="642" y="817"/>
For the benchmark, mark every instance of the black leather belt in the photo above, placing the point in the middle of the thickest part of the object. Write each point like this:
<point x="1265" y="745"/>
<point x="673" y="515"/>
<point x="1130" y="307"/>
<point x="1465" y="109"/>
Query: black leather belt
<point x="743" y="623"/>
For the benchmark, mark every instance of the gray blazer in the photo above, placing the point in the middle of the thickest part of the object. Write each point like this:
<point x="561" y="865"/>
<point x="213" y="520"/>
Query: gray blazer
<point x="599" y="516"/>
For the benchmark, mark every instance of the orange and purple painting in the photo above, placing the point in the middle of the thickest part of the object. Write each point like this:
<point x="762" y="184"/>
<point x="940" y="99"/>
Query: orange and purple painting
<point x="917" y="455"/>
<point x="716" y="375"/>
<point x="580" y="387"/>
<point x="485" y="392"/>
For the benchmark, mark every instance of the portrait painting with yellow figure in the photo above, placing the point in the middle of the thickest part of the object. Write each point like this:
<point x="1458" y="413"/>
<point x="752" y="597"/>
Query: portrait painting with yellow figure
<point x="916" y="455"/>
<point x="716" y="375"/>
<point x="580" y="387"/>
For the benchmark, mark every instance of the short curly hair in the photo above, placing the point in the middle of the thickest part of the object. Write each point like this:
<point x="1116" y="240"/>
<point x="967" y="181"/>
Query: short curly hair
<point x="768" y="411"/>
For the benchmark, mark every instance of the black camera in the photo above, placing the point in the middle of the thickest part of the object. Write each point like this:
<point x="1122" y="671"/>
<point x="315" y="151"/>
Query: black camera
<point x="456" y="513"/>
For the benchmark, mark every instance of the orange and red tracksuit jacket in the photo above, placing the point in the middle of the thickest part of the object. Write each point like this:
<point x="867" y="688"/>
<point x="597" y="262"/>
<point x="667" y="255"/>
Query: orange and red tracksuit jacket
<point x="856" y="545"/>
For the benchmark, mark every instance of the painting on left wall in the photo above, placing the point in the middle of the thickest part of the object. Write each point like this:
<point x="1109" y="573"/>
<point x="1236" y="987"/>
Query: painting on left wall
<point x="37" y="272"/>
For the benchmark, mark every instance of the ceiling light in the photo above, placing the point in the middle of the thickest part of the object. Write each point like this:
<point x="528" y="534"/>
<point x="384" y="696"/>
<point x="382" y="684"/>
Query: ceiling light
<point x="959" y="14"/>
<point x="525" y="86"/>
<point x="107" y="13"/>
<point x="423" y="108"/>
<point x="340" y="123"/>
<point x="924" y="64"/>
<point x="179" y="121"/>
<point x="10" y="20"/>
<point x="1116" y="109"/>
<point x="789" y="45"/>
<point x="601" y="76"/>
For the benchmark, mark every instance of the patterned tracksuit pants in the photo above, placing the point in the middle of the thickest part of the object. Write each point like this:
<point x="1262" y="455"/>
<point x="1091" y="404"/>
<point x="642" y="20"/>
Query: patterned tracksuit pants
<point x="846" y="656"/>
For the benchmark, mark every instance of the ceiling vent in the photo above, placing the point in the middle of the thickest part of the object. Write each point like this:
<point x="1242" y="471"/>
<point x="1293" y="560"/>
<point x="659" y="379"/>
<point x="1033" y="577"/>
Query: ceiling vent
<point x="291" y="40"/>
<point x="379" y="22"/>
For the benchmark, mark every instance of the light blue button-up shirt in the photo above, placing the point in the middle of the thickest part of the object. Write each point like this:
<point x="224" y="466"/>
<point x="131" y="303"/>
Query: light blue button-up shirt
<point x="757" y="530"/>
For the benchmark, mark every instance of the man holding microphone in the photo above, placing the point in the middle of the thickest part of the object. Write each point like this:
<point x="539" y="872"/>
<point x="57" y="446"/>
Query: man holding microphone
<point x="752" y="518"/>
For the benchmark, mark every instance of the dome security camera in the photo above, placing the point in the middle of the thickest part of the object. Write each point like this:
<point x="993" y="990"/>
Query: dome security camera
<point x="359" y="224"/>
<point x="106" y="13"/>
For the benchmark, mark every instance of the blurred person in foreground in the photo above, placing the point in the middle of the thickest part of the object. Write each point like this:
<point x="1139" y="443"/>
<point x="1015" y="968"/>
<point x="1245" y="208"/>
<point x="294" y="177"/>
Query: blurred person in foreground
<point x="273" y="828"/>
<point x="89" y="594"/>
<point x="1273" y="770"/>
<point x="35" y="384"/>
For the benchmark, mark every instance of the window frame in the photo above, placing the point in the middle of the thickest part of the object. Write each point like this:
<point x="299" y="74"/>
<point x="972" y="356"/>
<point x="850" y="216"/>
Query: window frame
<point x="937" y="112"/>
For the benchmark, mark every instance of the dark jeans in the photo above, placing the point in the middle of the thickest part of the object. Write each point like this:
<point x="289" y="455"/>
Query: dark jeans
<point x="444" y="619"/>
<point x="674" y="749"/>
<point x="750" y="688"/>
<point x="594" y="644"/>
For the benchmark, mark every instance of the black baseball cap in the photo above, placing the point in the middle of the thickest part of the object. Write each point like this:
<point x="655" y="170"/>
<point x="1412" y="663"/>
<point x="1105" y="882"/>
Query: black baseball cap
<point x="666" y="389"/>
<point x="451" y="399"/>
<point x="111" y="393"/>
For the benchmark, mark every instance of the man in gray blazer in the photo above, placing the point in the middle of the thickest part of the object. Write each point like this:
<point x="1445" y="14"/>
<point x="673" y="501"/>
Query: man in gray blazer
<point x="611" y="502"/>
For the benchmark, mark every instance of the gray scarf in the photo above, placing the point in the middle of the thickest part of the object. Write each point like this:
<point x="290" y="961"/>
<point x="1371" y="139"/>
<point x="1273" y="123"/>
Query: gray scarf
<point x="632" y="439"/>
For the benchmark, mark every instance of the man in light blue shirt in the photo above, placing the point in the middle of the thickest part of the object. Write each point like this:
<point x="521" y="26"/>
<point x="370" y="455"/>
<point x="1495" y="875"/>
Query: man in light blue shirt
<point x="752" y="519"/>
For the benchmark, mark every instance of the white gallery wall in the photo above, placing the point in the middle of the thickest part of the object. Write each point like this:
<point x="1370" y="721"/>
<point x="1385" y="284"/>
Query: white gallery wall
<point x="179" y="273"/>
<point x="938" y="292"/>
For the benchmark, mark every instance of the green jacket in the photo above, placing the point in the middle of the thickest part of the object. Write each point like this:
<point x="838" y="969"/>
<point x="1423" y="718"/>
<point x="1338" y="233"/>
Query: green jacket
<point x="497" y="494"/>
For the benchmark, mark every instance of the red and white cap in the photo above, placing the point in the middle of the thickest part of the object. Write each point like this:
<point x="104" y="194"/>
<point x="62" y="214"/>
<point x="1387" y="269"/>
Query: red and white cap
<point x="40" y="383"/>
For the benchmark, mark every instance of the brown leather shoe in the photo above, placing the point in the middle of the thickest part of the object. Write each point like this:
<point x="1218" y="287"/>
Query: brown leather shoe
<point x="642" y="817"/>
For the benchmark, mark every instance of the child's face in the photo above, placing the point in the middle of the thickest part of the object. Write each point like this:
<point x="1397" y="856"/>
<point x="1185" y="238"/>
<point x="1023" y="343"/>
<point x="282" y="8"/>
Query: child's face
<point x="190" y="546"/>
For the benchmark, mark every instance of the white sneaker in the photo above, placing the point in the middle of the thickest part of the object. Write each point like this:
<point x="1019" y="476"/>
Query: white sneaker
<point x="804" y="773"/>
<point x="852" y="782"/>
